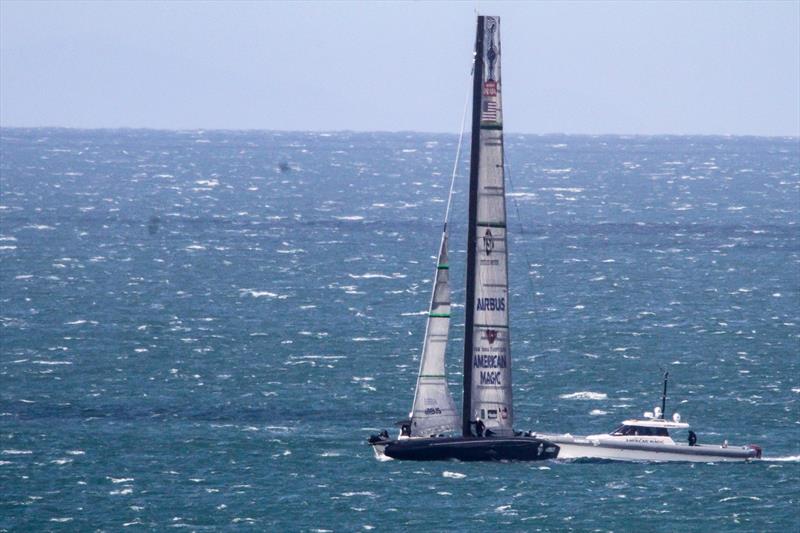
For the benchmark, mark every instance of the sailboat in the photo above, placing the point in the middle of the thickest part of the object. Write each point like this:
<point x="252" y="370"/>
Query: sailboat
<point x="484" y="430"/>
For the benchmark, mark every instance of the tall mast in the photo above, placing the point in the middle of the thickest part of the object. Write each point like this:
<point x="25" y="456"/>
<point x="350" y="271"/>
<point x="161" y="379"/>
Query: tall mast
<point x="664" y="396"/>
<point x="474" y="164"/>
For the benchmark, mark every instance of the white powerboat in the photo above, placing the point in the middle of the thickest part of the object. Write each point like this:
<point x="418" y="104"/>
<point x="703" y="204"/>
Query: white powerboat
<point x="648" y="439"/>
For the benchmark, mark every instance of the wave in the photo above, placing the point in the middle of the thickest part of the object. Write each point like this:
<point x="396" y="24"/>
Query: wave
<point x="584" y="395"/>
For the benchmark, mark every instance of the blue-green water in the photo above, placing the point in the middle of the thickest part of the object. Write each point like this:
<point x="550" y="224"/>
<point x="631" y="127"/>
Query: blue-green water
<point x="191" y="337"/>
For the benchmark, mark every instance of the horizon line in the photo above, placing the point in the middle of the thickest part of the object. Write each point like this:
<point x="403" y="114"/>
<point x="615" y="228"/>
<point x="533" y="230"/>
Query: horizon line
<point x="338" y="131"/>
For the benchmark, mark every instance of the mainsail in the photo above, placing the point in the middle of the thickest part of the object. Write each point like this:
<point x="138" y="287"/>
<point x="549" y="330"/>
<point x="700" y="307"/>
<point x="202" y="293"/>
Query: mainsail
<point x="487" y="355"/>
<point x="434" y="412"/>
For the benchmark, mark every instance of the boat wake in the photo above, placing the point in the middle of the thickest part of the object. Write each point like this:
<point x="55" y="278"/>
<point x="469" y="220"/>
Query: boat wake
<point x="784" y="459"/>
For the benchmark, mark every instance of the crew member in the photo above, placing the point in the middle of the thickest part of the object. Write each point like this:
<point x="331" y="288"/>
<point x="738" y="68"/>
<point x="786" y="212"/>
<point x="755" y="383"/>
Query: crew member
<point x="479" y="427"/>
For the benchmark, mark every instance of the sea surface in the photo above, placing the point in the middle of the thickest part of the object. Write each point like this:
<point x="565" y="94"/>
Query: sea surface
<point x="200" y="329"/>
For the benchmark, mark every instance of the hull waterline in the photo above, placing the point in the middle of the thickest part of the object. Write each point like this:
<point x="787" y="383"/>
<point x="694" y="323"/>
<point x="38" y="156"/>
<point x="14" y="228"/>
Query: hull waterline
<point x="571" y="447"/>
<point x="467" y="449"/>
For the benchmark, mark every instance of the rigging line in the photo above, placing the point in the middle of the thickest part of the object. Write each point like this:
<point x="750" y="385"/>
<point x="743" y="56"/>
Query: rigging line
<point x="444" y="231"/>
<point x="521" y="225"/>
<point x="458" y="151"/>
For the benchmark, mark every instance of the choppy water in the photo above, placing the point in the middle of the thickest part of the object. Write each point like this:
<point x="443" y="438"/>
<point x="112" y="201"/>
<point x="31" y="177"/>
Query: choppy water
<point x="192" y="337"/>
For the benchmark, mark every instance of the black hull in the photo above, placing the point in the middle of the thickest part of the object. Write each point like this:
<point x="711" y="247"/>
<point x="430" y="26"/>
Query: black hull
<point x="470" y="449"/>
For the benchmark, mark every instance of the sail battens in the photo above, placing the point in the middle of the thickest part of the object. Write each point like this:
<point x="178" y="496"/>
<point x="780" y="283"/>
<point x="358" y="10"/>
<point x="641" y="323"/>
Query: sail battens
<point x="487" y="354"/>
<point x="433" y="410"/>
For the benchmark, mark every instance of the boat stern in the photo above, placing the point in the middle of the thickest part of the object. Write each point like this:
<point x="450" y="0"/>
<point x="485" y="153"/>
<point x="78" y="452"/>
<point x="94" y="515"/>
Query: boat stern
<point x="757" y="450"/>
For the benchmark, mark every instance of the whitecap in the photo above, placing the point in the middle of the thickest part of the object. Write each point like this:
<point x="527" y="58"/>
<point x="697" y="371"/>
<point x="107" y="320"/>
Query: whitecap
<point x="371" y="275"/>
<point x="38" y="227"/>
<point x="734" y="498"/>
<point x="453" y="475"/>
<point x="262" y="294"/>
<point x="350" y="217"/>
<point x="598" y="412"/>
<point x="584" y="395"/>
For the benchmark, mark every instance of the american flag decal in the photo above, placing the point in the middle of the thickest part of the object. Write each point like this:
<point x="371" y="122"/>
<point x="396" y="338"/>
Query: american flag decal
<point x="489" y="113"/>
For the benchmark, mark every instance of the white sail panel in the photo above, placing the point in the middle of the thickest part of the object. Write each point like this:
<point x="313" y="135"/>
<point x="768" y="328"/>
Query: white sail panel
<point x="434" y="412"/>
<point x="491" y="355"/>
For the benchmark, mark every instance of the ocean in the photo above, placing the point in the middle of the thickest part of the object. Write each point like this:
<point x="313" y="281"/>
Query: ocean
<point x="200" y="329"/>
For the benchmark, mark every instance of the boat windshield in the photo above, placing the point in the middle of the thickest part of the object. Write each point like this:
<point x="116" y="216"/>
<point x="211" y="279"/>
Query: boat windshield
<point x="642" y="431"/>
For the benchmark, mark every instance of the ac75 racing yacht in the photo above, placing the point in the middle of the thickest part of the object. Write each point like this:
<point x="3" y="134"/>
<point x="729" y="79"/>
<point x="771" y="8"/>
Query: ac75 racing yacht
<point x="648" y="439"/>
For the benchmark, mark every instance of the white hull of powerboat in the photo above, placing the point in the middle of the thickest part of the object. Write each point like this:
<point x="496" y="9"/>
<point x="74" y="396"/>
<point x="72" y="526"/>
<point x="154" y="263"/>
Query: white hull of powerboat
<point x="648" y="439"/>
<point x="575" y="447"/>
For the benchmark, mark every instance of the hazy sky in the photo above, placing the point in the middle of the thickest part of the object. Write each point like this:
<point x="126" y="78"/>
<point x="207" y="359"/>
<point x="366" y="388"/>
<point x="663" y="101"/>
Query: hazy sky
<point x="573" y="67"/>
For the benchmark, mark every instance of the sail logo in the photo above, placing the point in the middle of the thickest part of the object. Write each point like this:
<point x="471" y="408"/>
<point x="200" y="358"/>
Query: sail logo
<point x="490" y="88"/>
<point x="491" y="335"/>
<point x="491" y="53"/>
<point x="490" y="361"/>
<point x="490" y="378"/>
<point x="490" y="304"/>
<point x="488" y="242"/>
